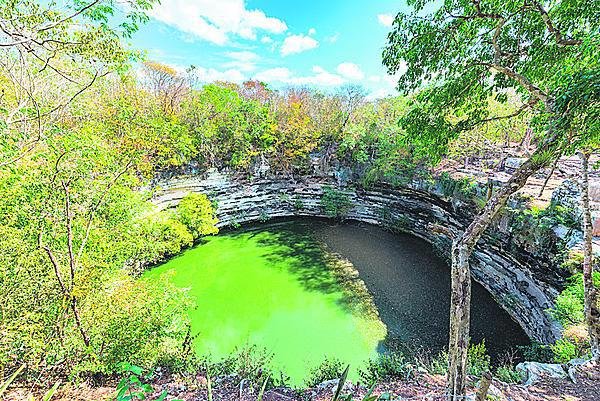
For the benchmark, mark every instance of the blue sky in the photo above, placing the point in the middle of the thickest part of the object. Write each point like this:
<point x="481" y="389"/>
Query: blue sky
<point x="323" y="43"/>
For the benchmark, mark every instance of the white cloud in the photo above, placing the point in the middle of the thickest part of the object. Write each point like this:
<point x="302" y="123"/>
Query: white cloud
<point x="243" y="56"/>
<point x="266" y="39"/>
<point x="333" y="38"/>
<point x="242" y="60"/>
<point x="385" y="19"/>
<point x="214" y="21"/>
<point x="211" y="75"/>
<point x="320" y="77"/>
<point x="312" y="31"/>
<point x="297" y="44"/>
<point x="350" y="71"/>
<point x="381" y="93"/>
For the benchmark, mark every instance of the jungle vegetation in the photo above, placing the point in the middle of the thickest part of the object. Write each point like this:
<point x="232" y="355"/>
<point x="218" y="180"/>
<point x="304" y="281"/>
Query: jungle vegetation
<point x="86" y="123"/>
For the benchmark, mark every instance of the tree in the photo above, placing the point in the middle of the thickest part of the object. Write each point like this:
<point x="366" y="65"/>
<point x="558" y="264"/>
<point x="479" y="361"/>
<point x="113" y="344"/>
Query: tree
<point x="168" y="85"/>
<point x="50" y="55"/>
<point x="467" y="52"/>
<point x="591" y="297"/>
<point x="196" y="212"/>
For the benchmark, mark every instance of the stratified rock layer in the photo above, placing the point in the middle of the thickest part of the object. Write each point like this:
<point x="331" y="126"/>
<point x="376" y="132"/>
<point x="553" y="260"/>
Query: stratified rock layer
<point x="523" y="279"/>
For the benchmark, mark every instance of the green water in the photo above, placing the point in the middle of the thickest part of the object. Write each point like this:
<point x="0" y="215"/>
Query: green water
<point x="276" y="288"/>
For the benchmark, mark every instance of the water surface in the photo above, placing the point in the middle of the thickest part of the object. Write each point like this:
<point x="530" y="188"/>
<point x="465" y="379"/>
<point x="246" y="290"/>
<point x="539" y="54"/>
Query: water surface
<point x="288" y="287"/>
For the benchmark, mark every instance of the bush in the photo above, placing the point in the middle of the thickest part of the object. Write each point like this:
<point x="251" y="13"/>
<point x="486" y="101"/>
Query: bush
<point x="135" y="321"/>
<point x="248" y="362"/>
<point x="335" y="204"/>
<point x="196" y="212"/>
<point x="536" y="352"/>
<point x="478" y="361"/>
<point x="568" y="308"/>
<point x="508" y="374"/>
<point x="435" y="365"/>
<point x="328" y="369"/>
<point x="565" y="350"/>
<point x="386" y="367"/>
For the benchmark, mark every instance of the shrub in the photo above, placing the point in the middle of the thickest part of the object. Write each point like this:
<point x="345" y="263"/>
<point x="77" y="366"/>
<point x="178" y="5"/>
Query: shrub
<point x="196" y="212"/>
<point x="135" y="321"/>
<point x="462" y="188"/>
<point x="385" y="367"/>
<point x="508" y="374"/>
<point x="248" y="362"/>
<point x="478" y="361"/>
<point x="568" y="308"/>
<point x="564" y="350"/>
<point x="536" y="352"/>
<point x="435" y="365"/>
<point x="327" y="370"/>
<point x="335" y="204"/>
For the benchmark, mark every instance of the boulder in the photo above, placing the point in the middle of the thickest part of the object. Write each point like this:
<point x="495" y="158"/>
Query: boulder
<point x="533" y="371"/>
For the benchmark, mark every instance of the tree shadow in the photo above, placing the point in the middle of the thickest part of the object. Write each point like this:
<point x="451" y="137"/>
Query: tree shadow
<point x="293" y="246"/>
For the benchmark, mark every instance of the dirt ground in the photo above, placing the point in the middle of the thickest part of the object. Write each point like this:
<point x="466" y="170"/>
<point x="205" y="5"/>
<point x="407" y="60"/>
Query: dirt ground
<point x="423" y="387"/>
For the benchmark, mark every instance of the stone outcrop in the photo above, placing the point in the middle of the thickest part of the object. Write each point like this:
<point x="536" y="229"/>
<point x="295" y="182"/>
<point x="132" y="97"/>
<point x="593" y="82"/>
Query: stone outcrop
<point x="523" y="280"/>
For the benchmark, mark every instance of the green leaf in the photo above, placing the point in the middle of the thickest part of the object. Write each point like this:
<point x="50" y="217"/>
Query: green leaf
<point x="338" y="390"/>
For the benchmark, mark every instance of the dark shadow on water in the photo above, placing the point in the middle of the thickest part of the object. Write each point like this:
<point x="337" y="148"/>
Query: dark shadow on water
<point x="408" y="283"/>
<point x="293" y="244"/>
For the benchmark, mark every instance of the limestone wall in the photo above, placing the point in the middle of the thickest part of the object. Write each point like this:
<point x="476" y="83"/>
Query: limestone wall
<point x="524" y="283"/>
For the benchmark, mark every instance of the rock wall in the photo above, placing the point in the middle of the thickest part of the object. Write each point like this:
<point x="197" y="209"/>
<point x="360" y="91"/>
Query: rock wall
<point x="525" y="283"/>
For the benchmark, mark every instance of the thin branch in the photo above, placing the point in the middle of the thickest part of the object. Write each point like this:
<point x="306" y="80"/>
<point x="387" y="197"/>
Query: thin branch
<point x="558" y="36"/>
<point x="96" y="206"/>
<point x="69" y="228"/>
<point x="549" y="176"/>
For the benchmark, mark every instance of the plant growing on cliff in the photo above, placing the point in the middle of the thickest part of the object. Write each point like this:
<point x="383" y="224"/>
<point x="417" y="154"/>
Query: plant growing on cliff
<point x="328" y="369"/>
<point x="335" y="204"/>
<point x="469" y="52"/>
<point x="196" y="212"/>
<point x="387" y="367"/>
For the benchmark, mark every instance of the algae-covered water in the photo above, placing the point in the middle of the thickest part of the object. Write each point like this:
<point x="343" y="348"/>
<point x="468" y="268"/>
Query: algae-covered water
<point x="281" y="287"/>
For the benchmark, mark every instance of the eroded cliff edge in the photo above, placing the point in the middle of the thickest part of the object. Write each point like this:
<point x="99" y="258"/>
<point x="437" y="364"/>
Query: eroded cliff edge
<point x="521" y="275"/>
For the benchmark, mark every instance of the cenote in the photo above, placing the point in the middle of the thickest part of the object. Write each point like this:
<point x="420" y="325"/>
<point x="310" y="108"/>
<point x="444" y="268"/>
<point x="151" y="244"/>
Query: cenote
<point x="308" y="289"/>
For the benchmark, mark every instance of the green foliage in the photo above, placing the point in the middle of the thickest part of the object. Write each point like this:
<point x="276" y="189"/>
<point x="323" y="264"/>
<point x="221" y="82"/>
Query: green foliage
<point x="227" y="128"/>
<point x="508" y="374"/>
<point x="568" y="308"/>
<point x="466" y="53"/>
<point x="536" y="225"/>
<point x="328" y="369"/>
<point x="151" y="333"/>
<point x="536" y="352"/>
<point x="335" y="204"/>
<point x="565" y="350"/>
<point x="385" y="367"/>
<point x="461" y="188"/>
<point x="434" y="364"/>
<point x="478" y="361"/>
<point x="195" y="211"/>
<point x="249" y="362"/>
<point x="131" y="387"/>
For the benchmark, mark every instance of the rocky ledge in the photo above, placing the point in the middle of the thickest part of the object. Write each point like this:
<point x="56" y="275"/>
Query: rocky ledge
<point x="523" y="279"/>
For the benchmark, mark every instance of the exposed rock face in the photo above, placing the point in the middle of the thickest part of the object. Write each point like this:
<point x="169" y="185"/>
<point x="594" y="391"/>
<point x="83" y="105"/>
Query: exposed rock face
<point x="524" y="281"/>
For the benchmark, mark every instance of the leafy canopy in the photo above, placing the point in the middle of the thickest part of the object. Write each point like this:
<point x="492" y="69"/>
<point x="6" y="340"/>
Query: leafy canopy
<point x="460" y="53"/>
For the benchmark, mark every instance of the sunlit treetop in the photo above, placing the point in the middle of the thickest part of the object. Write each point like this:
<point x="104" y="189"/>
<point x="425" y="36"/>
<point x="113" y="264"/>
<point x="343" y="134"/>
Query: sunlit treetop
<point x="89" y="29"/>
<point x="460" y="53"/>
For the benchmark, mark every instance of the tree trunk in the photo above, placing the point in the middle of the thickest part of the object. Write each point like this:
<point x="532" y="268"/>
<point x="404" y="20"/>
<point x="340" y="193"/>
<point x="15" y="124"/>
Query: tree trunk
<point x="484" y="387"/>
<point x="592" y="312"/>
<point x="459" y="321"/>
<point x="462" y="247"/>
